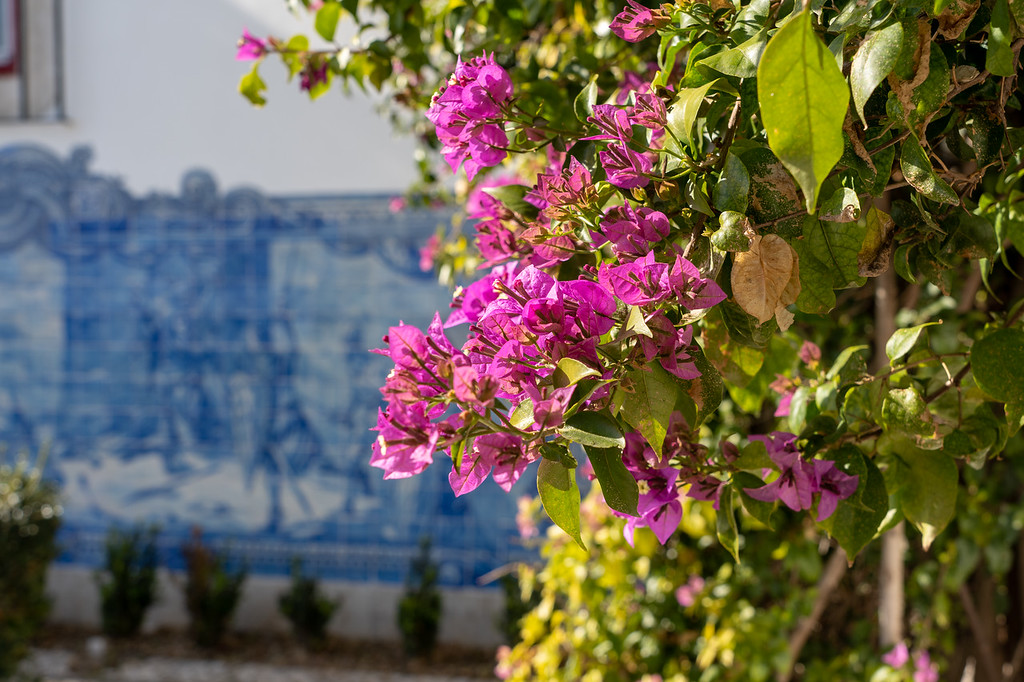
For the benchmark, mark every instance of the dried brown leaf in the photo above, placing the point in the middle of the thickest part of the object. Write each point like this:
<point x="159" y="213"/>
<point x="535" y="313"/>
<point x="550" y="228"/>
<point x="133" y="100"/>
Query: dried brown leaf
<point x="766" y="277"/>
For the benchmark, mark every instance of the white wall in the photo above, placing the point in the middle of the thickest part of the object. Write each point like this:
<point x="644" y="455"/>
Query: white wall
<point x="152" y="88"/>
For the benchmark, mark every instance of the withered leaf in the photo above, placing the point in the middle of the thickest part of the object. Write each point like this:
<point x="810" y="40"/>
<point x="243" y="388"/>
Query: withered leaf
<point x="766" y="278"/>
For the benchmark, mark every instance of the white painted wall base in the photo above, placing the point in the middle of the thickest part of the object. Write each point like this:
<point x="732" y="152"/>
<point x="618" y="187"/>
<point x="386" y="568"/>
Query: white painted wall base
<point x="368" y="611"/>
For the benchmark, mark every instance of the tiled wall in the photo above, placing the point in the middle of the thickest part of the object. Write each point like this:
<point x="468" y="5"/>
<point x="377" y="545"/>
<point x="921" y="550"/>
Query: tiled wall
<point x="201" y="360"/>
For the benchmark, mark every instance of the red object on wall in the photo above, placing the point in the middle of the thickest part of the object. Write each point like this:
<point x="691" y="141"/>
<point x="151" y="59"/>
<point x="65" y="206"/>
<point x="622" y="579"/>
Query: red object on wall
<point x="9" y="38"/>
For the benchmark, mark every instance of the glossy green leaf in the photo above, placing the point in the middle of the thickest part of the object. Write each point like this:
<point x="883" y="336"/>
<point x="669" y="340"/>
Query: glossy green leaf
<point x="569" y="371"/>
<point x="902" y="340"/>
<point x="997" y="361"/>
<point x="560" y="497"/>
<point x="873" y="61"/>
<point x="999" y="58"/>
<point x="635" y="322"/>
<point x="648" y="402"/>
<point x="327" y="20"/>
<point x="620" y="489"/>
<point x="725" y="524"/>
<point x="917" y="169"/>
<point x="730" y="194"/>
<point x="682" y="113"/>
<point x="522" y="416"/>
<point x="803" y="99"/>
<point x="593" y="429"/>
<point x="927" y="481"/>
<point x="583" y="105"/>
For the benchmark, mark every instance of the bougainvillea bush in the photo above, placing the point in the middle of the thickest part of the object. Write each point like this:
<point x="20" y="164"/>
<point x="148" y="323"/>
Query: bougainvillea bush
<point x="752" y="255"/>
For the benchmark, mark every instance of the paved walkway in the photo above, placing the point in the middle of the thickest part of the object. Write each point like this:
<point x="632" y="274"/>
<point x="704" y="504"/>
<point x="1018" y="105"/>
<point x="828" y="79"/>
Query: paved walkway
<point x="56" y="666"/>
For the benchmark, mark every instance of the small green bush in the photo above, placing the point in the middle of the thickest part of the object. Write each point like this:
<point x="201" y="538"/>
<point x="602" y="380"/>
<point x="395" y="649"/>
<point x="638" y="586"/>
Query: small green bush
<point x="128" y="585"/>
<point x="211" y="591"/>
<point x="30" y="514"/>
<point x="307" y="609"/>
<point x="419" y="611"/>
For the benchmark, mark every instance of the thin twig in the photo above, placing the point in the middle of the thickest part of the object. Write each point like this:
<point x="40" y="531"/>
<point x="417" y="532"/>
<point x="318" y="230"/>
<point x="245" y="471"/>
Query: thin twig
<point x="830" y="577"/>
<point x="974" y="620"/>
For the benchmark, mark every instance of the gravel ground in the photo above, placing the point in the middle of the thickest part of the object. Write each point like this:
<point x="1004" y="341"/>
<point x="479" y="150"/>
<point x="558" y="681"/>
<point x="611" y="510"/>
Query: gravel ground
<point x="57" y="665"/>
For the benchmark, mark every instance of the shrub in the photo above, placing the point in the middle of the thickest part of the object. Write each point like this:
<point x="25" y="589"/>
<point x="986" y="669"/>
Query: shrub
<point x="29" y="518"/>
<point x="128" y="586"/>
<point x="306" y="608"/>
<point x="211" y="591"/>
<point x="419" y="611"/>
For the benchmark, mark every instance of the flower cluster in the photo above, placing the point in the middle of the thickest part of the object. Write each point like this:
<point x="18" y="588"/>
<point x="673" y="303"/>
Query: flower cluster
<point x="800" y="480"/>
<point x="467" y="113"/>
<point x="587" y="286"/>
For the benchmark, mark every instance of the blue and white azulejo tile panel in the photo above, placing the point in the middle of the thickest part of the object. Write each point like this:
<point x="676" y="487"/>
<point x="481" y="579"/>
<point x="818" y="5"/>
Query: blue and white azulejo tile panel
<point x="201" y="359"/>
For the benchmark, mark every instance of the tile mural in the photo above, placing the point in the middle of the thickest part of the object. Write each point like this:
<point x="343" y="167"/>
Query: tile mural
<point x="201" y="359"/>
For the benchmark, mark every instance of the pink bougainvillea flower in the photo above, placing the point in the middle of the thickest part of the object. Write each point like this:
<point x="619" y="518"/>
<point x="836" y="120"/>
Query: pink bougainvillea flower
<point x="636" y="22"/>
<point x="898" y="656"/>
<point x="834" y="485"/>
<point x="924" y="669"/>
<point x="250" y="47"/>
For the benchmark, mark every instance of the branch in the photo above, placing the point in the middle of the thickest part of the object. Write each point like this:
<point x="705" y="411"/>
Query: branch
<point x="988" y="663"/>
<point x="830" y="577"/>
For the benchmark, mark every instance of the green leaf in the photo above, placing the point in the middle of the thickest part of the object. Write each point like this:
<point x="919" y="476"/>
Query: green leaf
<point x="874" y="60"/>
<point x="583" y="105"/>
<point x="856" y="519"/>
<point x="682" y="113"/>
<point x="706" y="390"/>
<point x="927" y="487"/>
<point x="252" y="87"/>
<point x="754" y="457"/>
<point x="917" y="169"/>
<point x="999" y="58"/>
<point x="1014" y="417"/>
<point x="593" y="429"/>
<point x="635" y="322"/>
<point x="725" y="523"/>
<point x="905" y="412"/>
<point x="730" y="194"/>
<point x="620" y="489"/>
<point x="522" y="416"/>
<point x="740" y="61"/>
<point x="647" y="405"/>
<point x="902" y="340"/>
<point x="762" y="511"/>
<point x="997" y="362"/>
<point x="842" y="206"/>
<point x="849" y="353"/>
<point x="569" y="371"/>
<point x="734" y="233"/>
<point x="560" y="497"/>
<point x="829" y="253"/>
<point x="803" y="98"/>
<point x="327" y="20"/>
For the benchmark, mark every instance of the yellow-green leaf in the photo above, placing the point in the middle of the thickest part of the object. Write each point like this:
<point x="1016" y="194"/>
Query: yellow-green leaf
<point x="803" y="98"/>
